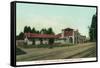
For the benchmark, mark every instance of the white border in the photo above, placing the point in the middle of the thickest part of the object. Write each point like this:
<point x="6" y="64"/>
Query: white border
<point x="55" y="61"/>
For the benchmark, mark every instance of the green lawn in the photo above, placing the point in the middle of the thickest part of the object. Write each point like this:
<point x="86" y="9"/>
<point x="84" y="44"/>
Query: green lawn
<point x="61" y="52"/>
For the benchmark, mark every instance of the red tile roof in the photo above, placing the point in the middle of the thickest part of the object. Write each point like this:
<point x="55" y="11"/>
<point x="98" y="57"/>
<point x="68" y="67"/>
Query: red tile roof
<point x="58" y="35"/>
<point x="33" y="35"/>
<point x="68" y="29"/>
<point x="68" y="33"/>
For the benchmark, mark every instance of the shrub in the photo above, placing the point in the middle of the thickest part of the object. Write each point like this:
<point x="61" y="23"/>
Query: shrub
<point x="19" y="51"/>
<point x="45" y="45"/>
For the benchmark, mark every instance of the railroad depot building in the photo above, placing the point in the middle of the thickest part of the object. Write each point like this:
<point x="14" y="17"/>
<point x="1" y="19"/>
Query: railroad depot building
<point x="67" y="36"/>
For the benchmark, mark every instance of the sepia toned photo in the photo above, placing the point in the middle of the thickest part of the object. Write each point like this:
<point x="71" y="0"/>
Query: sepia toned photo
<point x="55" y="33"/>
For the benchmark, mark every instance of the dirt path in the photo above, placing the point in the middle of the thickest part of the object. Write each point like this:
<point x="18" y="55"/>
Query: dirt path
<point x="75" y="51"/>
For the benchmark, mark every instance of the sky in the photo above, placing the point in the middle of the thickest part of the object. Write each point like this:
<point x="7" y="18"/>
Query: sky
<point x="56" y="16"/>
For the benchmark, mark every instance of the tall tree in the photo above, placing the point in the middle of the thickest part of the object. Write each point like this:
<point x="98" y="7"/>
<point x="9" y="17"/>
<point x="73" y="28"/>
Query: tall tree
<point x="25" y="29"/>
<point x="43" y="31"/>
<point x="93" y="28"/>
<point x="29" y="29"/>
<point x="33" y="30"/>
<point x="33" y="39"/>
<point x="50" y="31"/>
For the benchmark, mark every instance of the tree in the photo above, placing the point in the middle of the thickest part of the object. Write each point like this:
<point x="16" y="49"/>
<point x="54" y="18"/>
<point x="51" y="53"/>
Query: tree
<point x="43" y="31"/>
<point x="25" y="29"/>
<point x="37" y="32"/>
<point x="20" y="36"/>
<point x="50" y="31"/>
<point x="29" y="29"/>
<point x="33" y="30"/>
<point x="93" y="28"/>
